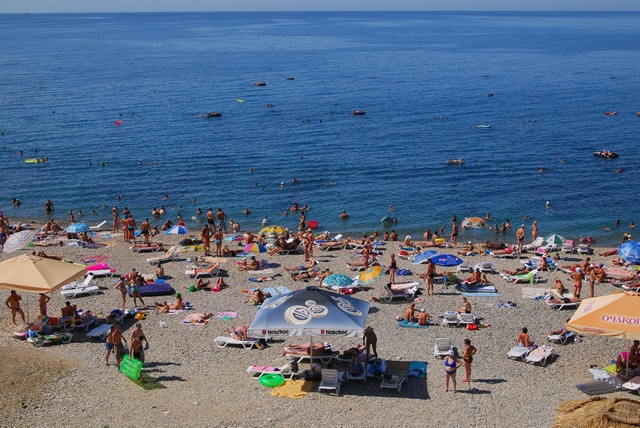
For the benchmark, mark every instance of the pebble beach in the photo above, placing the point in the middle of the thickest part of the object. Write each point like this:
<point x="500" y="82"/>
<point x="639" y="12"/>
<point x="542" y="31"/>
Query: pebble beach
<point x="193" y="383"/>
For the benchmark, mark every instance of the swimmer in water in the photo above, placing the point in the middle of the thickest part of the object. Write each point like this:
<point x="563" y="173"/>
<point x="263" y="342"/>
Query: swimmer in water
<point x="246" y="211"/>
<point x="294" y="181"/>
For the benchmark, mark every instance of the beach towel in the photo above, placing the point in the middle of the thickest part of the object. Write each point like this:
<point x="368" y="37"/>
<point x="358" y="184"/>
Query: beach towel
<point x="262" y="279"/>
<point x="293" y="389"/>
<point x="269" y="292"/>
<point x="227" y="315"/>
<point x="403" y="272"/>
<point x="610" y="368"/>
<point x="417" y="369"/>
<point x="532" y="293"/>
<point x="95" y="259"/>
<point x="480" y="295"/>
<point x="599" y="374"/>
<point x="408" y="324"/>
<point x="282" y="289"/>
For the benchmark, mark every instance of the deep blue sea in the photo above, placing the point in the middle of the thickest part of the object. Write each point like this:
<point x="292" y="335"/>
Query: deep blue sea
<point x="65" y="80"/>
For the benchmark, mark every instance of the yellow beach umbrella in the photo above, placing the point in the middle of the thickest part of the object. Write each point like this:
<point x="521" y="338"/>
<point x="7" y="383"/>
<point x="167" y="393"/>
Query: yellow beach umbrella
<point x="474" y="223"/>
<point x="273" y="230"/>
<point x="370" y="274"/>
<point x="615" y="315"/>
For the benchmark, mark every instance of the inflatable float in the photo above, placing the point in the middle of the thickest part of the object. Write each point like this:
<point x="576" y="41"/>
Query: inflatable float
<point x="478" y="125"/>
<point x="35" y="160"/>
<point x="389" y="219"/>
<point x="358" y="113"/>
<point x="455" y="161"/>
<point x="611" y="113"/>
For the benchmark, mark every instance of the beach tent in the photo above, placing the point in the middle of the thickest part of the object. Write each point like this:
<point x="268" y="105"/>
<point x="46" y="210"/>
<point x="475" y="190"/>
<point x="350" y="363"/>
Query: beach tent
<point x="615" y="315"/>
<point x="310" y="312"/>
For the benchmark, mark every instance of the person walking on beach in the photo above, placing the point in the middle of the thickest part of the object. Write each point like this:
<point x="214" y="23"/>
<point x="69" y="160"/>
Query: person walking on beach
<point x="431" y="273"/>
<point x="454" y="234"/>
<point x="520" y="236"/>
<point x="44" y="299"/>
<point x="116" y="340"/>
<point x="222" y="220"/>
<point x="534" y="231"/>
<point x="137" y="333"/>
<point x="109" y="343"/>
<point x="13" y="303"/>
<point x="370" y="340"/>
<point x="145" y="230"/>
<point x="467" y="356"/>
<point x="451" y="365"/>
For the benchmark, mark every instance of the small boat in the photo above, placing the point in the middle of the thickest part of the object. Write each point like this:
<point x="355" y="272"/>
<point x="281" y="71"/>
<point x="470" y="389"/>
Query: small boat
<point x="289" y="78"/>
<point x="260" y="84"/>
<point x="478" y="125"/>
<point x="455" y="161"/>
<point x="389" y="219"/>
<point x="611" y="113"/>
<point x="214" y="114"/>
<point x="358" y="113"/>
<point x="605" y="154"/>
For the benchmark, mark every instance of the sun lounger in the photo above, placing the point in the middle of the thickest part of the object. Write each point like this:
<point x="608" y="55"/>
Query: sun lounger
<point x="86" y="283"/>
<point x="464" y="267"/>
<point x="563" y="305"/>
<point x="485" y="267"/>
<point x="584" y="249"/>
<point x="223" y="341"/>
<point x="598" y="387"/>
<point x="518" y="351"/>
<point x="331" y="380"/>
<point x="466" y="319"/>
<point x="523" y="279"/>
<point x="400" y="291"/>
<point x="362" y="376"/>
<point x="393" y="381"/>
<point x="98" y="226"/>
<point x="450" y="318"/>
<point x="538" y="242"/>
<point x="256" y="372"/>
<point x="85" y="325"/>
<point x="80" y="291"/>
<point x="169" y="255"/>
<point x="569" y="247"/>
<point x="478" y="288"/>
<point x="100" y="331"/>
<point x="506" y="254"/>
<point x="559" y="338"/>
<point x="442" y="347"/>
<point x="213" y="270"/>
<point x="103" y="272"/>
<point x="40" y="340"/>
<point x="633" y="384"/>
<point x="540" y="355"/>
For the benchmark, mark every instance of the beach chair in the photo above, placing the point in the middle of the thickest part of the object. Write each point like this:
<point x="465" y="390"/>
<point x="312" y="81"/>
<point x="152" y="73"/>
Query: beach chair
<point x="563" y="305"/>
<point x="633" y="384"/>
<point x="85" y="325"/>
<point x="466" y="319"/>
<point x="101" y="331"/>
<point x="510" y="253"/>
<point x="393" y="381"/>
<point x="40" y="340"/>
<point x="169" y="255"/>
<point x="223" y="341"/>
<point x="486" y="267"/>
<point x="518" y="351"/>
<point x="450" y="318"/>
<point x="362" y="376"/>
<point x="103" y="272"/>
<point x="562" y="339"/>
<point x="442" y="347"/>
<point x="538" y="242"/>
<point x="523" y="279"/>
<point x="88" y="281"/>
<point x="212" y="270"/>
<point x="584" y="249"/>
<point x="89" y="290"/>
<point x="399" y="291"/>
<point x="98" y="226"/>
<point x="331" y="380"/>
<point x="597" y="387"/>
<point x="256" y="372"/>
<point x="464" y="267"/>
<point x="540" y="355"/>
<point x="569" y="247"/>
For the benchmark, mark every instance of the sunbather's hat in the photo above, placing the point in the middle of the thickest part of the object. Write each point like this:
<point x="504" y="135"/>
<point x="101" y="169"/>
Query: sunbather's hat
<point x="451" y="352"/>
<point x="178" y="295"/>
<point x="601" y="265"/>
<point x="578" y="269"/>
<point x="423" y="310"/>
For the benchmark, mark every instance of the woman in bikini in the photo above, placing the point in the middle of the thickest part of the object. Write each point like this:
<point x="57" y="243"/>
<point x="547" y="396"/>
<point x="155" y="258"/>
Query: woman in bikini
<point x="392" y="269"/>
<point x="451" y="364"/>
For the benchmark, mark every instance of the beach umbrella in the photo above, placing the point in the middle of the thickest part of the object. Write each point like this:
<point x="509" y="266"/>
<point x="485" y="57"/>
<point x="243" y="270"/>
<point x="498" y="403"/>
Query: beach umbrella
<point x="177" y="230"/>
<point x="33" y="274"/>
<point x="370" y="275"/>
<point x="474" y="223"/>
<point x="254" y="247"/>
<point x="554" y="239"/>
<point x="17" y="241"/>
<point x="615" y="315"/>
<point x="273" y="230"/>
<point x="310" y="312"/>
<point x="337" y="280"/>
<point x="78" y="227"/>
<point x="630" y="251"/>
<point x="423" y="257"/>
<point x="446" y="260"/>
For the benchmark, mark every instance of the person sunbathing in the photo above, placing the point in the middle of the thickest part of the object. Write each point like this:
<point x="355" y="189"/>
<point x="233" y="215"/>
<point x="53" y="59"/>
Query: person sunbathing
<point x="361" y="262"/>
<point x="632" y="357"/>
<point x="466" y="307"/>
<point x="47" y="256"/>
<point x="202" y="284"/>
<point x="166" y="307"/>
<point x="409" y="313"/>
<point x="611" y="252"/>
<point x="506" y="251"/>
<point x="355" y="367"/>
<point x="562" y="332"/>
<point x="202" y="318"/>
<point x="559" y="286"/>
<point x="239" y="332"/>
<point x="550" y="300"/>
<point x="543" y="265"/>
<point x="468" y="250"/>
<point x="524" y="339"/>
<point x="473" y="279"/>
<point x="331" y="244"/>
<point x="424" y="317"/>
<point x="518" y="271"/>
<point x="220" y="284"/>
<point x="619" y="261"/>
<point x="252" y="265"/>
<point x="311" y="263"/>
<point x="494" y="245"/>
<point x="230" y="253"/>
<point x="307" y="274"/>
<point x="357" y="351"/>
<point x="157" y="245"/>
<point x="258" y="297"/>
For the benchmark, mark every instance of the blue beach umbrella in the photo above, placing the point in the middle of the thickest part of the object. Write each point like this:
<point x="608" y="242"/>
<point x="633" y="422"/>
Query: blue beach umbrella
<point x="337" y="280"/>
<point x="177" y="230"/>
<point x="446" y="260"/>
<point x="78" y="227"/>
<point x="630" y="251"/>
<point x="423" y="257"/>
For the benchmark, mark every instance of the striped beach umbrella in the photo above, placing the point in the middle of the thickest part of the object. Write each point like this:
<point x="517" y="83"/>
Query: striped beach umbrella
<point x="254" y="247"/>
<point x="177" y="230"/>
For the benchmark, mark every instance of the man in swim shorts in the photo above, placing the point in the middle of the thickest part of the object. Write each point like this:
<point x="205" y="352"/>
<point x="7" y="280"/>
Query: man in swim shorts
<point x="520" y="236"/>
<point x="222" y="217"/>
<point x="13" y="303"/>
<point x="145" y="230"/>
<point x="467" y="356"/>
<point x="211" y="219"/>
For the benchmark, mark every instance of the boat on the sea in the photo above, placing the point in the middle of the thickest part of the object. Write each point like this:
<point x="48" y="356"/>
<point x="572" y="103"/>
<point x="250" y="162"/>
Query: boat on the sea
<point x="358" y="113"/>
<point x="389" y="219"/>
<point x="481" y="126"/>
<point x="214" y="114"/>
<point x="606" y="154"/>
<point x="260" y="84"/>
<point x="455" y="161"/>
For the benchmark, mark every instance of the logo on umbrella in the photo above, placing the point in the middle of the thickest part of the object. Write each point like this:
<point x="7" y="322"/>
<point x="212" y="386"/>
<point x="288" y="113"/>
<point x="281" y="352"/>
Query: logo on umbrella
<point x="346" y="306"/>
<point x="276" y="302"/>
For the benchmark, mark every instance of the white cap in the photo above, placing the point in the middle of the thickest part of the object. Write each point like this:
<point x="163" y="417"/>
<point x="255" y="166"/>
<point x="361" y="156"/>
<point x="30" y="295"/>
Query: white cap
<point x="451" y="352"/>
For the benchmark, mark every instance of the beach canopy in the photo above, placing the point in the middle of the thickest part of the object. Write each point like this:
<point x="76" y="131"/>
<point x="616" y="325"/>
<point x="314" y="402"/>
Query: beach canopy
<point x="177" y="230"/>
<point x="446" y="260"/>
<point x="78" y="227"/>
<point x="17" y="241"/>
<point x="310" y="312"/>
<point x="615" y="315"/>
<point x="423" y="257"/>
<point x="630" y="251"/>
<point x="474" y="223"/>
<point x="37" y="274"/>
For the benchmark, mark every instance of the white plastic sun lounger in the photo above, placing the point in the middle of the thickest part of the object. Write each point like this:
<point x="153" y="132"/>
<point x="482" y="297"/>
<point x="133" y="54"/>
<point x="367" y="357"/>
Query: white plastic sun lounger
<point x="633" y="384"/>
<point x="331" y="380"/>
<point x="80" y="291"/>
<point x="85" y="325"/>
<point x="393" y="381"/>
<point x="442" y="347"/>
<point x="256" y="372"/>
<point x="518" y="352"/>
<point x="540" y="355"/>
<point x="558" y="338"/>
<point x="100" y="331"/>
<point x="170" y="254"/>
<point x="98" y="226"/>
<point x="223" y="341"/>
<point x="362" y="376"/>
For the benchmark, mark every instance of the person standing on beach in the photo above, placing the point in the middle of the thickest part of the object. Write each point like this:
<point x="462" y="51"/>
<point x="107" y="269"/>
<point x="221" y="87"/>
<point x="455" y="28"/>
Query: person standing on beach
<point x="454" y="234"/>
<point x="205" y="234"/>
<point x="48" y="206"/>
<point x="393" y="265"/>
<point x="122" y="288"/>
<point x="44" y="299"/>
<point x="366" y="252"/>
<point x="218" y="240"/>
<point x="534" y="231"/>
<point x="451" y="365"/>
<point x="109" y="343"/>
<point x="116" y="340"/>
<point x="145" y="230"/>
<point x="467" y="356"/>
<point x="431" y="273"/>
<point x="211" y="219"/>
<point x="370" y="340"/>
<point x="137" y="333"/>
<point x="577" y="277"/>
<point x="13" y="303"/>
<point x="222" y="220"/>
<point x="116" y="219"/>
<point x="520" y="236"/>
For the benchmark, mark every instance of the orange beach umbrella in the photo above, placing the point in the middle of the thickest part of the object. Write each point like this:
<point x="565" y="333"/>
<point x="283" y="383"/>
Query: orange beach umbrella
<point x="615" y="315"/>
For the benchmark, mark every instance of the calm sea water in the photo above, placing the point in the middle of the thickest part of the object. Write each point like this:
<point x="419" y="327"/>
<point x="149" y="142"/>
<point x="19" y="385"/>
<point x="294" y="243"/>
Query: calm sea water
<point x="65" y="80"/>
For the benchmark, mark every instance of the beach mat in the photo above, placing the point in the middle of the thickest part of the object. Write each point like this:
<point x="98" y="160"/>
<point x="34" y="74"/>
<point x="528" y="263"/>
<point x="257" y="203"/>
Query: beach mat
<point x="480" y="294"/>
<point x="532" y="293"/>
<point x="407" y="324"/>
<point x="597" y="387"/>
<point x="293" y="389"/>
<point x="420" y="366"/>
<point x="262" y="279"/>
